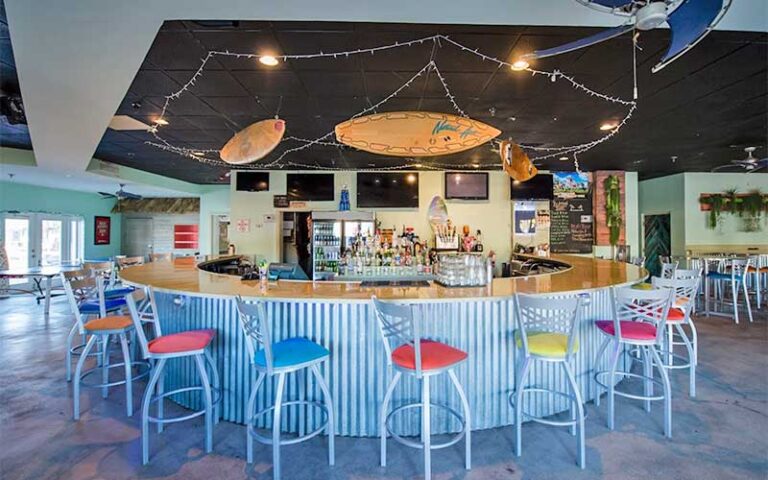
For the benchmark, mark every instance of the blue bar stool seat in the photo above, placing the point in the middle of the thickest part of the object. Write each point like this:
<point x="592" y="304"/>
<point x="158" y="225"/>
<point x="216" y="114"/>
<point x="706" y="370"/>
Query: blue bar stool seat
<point x="292" y="355"/>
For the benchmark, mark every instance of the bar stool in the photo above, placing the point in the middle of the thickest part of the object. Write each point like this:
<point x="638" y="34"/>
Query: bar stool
<point x="124" y="262"/>
<point x="292" y="355"/>
<point x="758" y="276"/>
<point x="190" y="344"/>
<point x="86" y="298"/>
<point x="639" y="317"/>
<point x="100" y="330"/>
<point x="668" y="269"/>
<point x="423" y="359"/>
<point x="106" y="270"/>
<point x="679" y="315"/>
<point x="692" y="273"/>
<point x="547" y="333"/>
<point x="734" y="273"/>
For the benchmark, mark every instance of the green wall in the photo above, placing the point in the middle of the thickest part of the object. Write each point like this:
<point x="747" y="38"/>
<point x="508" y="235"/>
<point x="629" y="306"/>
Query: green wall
<point x="666" y="195"/>
<point x="30" y="198"/>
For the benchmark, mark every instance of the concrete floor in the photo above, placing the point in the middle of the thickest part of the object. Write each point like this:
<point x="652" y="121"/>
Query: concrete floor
<point x="722" y="434"/>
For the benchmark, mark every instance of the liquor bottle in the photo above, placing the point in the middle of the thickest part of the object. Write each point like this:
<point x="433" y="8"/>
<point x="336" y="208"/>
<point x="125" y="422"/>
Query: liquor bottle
<point x="479" y="241"/>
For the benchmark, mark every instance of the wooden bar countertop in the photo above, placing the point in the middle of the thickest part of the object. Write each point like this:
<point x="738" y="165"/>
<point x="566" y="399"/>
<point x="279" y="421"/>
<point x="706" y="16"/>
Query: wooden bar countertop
<point x="183" y="277"/>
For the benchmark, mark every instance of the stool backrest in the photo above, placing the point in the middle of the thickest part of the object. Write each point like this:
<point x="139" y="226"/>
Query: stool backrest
<point x="160" y="257"/>
<point x="104" y="269"/>
<point x="739" y="267"/>
<point x="688" y="273"/>
<point x="80" y="287"/>
<point x="547" y="315"/>
<point x="685" y="290"/>
<point x="123" y="262"/>
<point x="398" y="327"/>
<point x="639" y="261"/>
<point x="140" y="303"/>
<point x="650" y="306"/>
<point x="255" y="324"/>
<point x="668" y="269"/>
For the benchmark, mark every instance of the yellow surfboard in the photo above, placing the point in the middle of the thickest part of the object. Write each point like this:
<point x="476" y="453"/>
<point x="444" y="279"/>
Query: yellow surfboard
<point x="515" y="162"/>
<point x="254" y="142"/>
<point x="414" y="134"/>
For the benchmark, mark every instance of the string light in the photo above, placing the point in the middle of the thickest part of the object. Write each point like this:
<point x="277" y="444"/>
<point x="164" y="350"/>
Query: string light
<point x="519" y="65"/>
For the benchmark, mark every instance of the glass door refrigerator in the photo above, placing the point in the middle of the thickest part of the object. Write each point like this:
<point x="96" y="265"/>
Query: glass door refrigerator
<point x="332" y="234"/>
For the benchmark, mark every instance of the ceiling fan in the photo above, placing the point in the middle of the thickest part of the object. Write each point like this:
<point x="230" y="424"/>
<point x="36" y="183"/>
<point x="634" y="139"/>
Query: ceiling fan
<point x="121" y="194"/>
<point x="688" y="20"/>
<point x="750" y="164"/>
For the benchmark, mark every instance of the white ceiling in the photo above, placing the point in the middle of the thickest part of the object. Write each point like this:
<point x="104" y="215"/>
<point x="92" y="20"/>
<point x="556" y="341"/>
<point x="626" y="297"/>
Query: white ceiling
<point x="76" y="60"/>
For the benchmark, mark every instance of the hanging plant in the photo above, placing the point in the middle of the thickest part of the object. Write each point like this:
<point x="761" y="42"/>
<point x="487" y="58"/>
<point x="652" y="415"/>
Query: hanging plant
<point x="748" y="207"/>
<point x="715" y="203"/>
<point x="613" y="208"/>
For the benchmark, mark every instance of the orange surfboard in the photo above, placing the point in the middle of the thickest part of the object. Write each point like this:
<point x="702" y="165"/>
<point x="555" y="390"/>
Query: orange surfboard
<point x="515" y="162"/>
<point x="414" y="134"/>
<point x="253" y="142"/>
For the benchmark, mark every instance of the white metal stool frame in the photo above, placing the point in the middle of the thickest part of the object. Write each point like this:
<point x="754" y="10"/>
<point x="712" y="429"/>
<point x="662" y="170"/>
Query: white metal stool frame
<point x="86" y="292"/>
<point x="103" y="337"/>
<point x="396" y="321"/>
<point x="537" y="315"/>
<point x="737" y="276"/>
<point x="255" y="324"/>
<point x="668" y="269"/>
<point x="757" y="273"/>
<point x="650" y="306"/>
<point x="202" y="359"/>
<point x="685" y="289"/>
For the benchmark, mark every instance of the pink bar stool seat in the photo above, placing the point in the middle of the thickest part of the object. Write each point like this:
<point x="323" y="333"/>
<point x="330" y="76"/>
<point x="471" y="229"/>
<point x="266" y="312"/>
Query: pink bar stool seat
<point x="629" y="329"/>
<point x="182" y="342"/>
<point x="434" y="355"/>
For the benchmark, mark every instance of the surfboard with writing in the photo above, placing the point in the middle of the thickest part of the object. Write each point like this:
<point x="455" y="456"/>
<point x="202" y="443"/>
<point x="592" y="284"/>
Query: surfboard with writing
<point x="414" y="134"/>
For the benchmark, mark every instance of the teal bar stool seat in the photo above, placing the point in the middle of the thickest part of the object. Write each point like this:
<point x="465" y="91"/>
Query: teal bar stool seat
<point x="293" y="355"/>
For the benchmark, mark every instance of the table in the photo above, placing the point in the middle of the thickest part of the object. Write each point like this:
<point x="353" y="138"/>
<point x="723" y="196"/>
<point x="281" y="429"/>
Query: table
<point x="38" y="276"/>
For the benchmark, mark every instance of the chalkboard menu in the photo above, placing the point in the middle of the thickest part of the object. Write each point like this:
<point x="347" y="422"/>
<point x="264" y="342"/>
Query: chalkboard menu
<point x="571" y="222"/>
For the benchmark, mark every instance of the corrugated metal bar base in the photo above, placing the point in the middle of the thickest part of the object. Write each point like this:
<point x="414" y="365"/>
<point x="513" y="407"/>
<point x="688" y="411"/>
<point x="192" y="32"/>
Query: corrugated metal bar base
<point x="357" y="371"/>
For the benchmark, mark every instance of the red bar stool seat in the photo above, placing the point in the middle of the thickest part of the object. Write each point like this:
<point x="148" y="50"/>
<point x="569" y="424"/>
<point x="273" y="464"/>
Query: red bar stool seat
<point x="188" y="342"/>
<point x="629" y="329"/>
<point x="434" y="355"/>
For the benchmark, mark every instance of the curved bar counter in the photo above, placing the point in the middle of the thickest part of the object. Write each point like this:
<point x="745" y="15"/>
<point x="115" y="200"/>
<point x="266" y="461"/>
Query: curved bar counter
<point x="478" y="320"/>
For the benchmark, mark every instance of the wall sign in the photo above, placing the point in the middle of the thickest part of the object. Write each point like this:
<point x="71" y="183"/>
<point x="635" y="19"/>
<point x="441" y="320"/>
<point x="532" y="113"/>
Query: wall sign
<point x="572" y="225"/>
<point x="243" y="225"/>
<point x="281" y="201"/>
<point x="101" y="230"/>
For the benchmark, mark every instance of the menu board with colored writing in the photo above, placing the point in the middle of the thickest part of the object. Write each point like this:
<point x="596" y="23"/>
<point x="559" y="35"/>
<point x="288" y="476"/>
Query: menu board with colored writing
<point x="572" y="224"/>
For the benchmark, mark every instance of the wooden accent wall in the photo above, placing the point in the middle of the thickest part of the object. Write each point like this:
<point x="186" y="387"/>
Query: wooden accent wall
<point x="176" y="206"/>
<point x="598" y="198"/>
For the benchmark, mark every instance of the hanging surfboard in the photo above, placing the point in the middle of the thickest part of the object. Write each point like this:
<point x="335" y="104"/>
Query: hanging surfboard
<point x="253" y="142"/>
<point x="515" y="162"/>
<point x="414" y="134"/>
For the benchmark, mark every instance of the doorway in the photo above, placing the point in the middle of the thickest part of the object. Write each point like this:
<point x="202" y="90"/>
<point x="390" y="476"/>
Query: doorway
<point x="220" y="232"/>
<point x="657" y="241"/>
<point x="138" y="237"/>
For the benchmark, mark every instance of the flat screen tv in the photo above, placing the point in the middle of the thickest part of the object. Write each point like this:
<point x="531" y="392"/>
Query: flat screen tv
<point x="310" y="186"/>
<point x="537" y="188"/>
<point x="466" y="186"/>
<point x="388" y="190"/>
<point x="252" y="181"/>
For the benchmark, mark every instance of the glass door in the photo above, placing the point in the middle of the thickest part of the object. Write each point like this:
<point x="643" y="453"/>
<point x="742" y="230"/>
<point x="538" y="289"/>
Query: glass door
<point x="16" y="238"/>
<point x="51" y="241"/>
<point x="37" y="239"/>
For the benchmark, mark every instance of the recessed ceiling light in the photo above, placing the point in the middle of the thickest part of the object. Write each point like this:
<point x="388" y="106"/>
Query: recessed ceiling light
<point x="563" y="158"/>
<point x="516" y="182"/>
<point x="268" y="60"/>
<point x="474" y="165"/>
<point x="411" y="178"/>
<point x="161" y="121"/>
<point x="608" y="126"/>
<point x="519" y="65"/>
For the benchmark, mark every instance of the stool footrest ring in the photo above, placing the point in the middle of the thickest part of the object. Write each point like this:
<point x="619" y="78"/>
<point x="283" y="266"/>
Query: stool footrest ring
<point x="136" y="364"/>
<point x="290" y="441"/>
<point x="631" y="395"/>
<point x="437" y="446"/>
<point x="215" y="393"/>
<point x="538" y="419"/>
<point x="666" y="353"/>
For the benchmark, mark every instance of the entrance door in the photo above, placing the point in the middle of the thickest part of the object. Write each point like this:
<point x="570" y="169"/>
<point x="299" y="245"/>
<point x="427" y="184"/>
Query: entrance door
<point x="18" y="246"/>
<point x="657" y="241"/>
<point x="220" y="234"/>
<point x="137" y="237"/>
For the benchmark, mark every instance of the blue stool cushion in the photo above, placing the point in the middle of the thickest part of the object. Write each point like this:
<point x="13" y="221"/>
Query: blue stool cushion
<point x="722" y="276"/>
<point x="292" y="351"/>
<point x="110" y="304"/>
<point x="118" y="292"/>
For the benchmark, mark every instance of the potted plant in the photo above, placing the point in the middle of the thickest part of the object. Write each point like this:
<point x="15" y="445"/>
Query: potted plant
<point x="613" y="218"/>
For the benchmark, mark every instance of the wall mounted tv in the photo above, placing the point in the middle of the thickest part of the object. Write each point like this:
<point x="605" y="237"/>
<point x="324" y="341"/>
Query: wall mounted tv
<point x="252" y="181"/>
<point x="466" y="186"/>
<point x="310" y="186"/>
<point x="388" y="190"/>
<point x="537" y="188"/>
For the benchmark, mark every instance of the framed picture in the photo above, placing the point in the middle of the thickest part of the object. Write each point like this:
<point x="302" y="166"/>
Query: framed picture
<point x="101" y="230"/>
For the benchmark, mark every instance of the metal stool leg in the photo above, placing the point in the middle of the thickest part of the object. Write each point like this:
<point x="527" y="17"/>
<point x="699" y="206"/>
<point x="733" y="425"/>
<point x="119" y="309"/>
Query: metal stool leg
<point x="156" y="373"/>
<point x="276" y="426"/>
<point x="128" y="375"/>
<point x="426" y="427"/>
<point x="599" y="356"/>
<point x="667" y="392"/>
<point x="691" y="360"/>
<point x="331" y="427"/>
<point x="648" y="374"/>
<point x="249" y="415"/>
<point x="695" y="341"/>
<point x="746" y="300"/>
<point x="525" y="368"/>
<point x="160" y="403"/>
<point x="735" y="299"/>
<point x="383" y="417"/>
<point x="70" y="338"/>
<point x="105" y="363"/>
<point x="216" y="385"/>
<point x="78" y="372"/>
<point x="467" y="420"/>
<point x="611" y="387"/>
<point x="579" y="414"/>
<point x="200" y="361"/>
